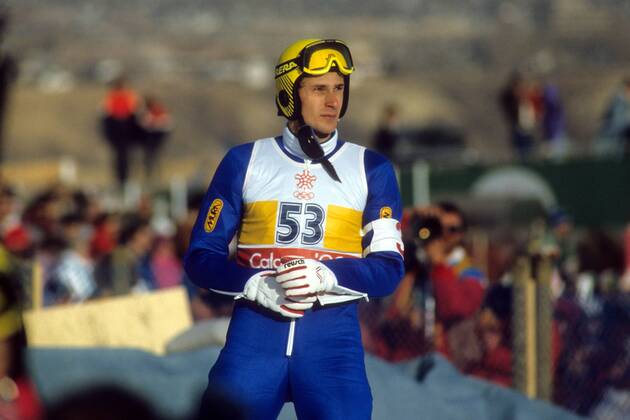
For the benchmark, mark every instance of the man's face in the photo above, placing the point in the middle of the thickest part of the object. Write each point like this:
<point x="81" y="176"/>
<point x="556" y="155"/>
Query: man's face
<point x="6" y="206"/>
<point x="322" y="98"/>
<point x="453" y="229"/>
<point x="143" y="241"/>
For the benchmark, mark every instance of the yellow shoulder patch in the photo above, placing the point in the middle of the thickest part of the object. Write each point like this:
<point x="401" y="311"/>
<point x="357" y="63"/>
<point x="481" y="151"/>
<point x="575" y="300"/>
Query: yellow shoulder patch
<point x="213" y="215"/>
<point x="385" y="213"/>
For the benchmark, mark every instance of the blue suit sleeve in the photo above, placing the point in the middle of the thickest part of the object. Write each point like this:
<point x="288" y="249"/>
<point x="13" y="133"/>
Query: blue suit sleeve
<point x="379" y="273"/>
<point x="207" y="260"/>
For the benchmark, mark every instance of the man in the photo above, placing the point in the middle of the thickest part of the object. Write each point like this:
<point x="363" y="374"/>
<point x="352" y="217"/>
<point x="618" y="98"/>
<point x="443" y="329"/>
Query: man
<point x="614" y="133"/>
<point x="458" y="287"/>
<point x="387" y="133"/>
<point x="127" y="269"/>
<point x="119" y="125"/>
<point x="316" y="226"/>
<point x="72" y="280"/>
<point x="518" y="100"/>
<point x="156" y="124"/>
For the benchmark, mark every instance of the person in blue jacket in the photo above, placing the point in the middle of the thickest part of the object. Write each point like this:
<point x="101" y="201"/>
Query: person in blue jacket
<point x="315" y="222"/>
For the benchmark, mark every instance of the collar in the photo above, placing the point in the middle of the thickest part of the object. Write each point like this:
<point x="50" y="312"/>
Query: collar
<point x="457" y="255"/>
<point x="292" y="144"/>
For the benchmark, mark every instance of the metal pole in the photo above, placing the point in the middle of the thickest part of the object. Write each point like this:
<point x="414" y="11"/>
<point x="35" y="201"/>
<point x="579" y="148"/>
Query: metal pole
<point x="544" y="314"/>
<point x="420" y="181"/>
<point x="523" y="328"/>
<point x="36" y="292"/>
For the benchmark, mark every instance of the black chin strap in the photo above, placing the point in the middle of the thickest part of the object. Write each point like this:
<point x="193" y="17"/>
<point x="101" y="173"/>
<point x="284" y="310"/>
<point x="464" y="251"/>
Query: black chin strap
<point x="311" y="147"/>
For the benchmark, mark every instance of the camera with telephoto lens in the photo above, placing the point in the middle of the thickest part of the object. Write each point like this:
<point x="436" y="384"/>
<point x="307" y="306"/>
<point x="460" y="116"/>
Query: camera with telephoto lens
<point x="427" y="228"/>
<point x="421" y="230"/>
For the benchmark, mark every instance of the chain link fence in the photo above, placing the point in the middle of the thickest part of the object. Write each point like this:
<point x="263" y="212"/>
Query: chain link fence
<point x="572" y="350"/>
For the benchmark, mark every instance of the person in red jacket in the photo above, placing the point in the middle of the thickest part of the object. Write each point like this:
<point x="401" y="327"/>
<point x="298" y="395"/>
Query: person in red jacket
<point x="495" y="334"/>
<point x="156" y="123"/>
<point x="120" y="126"/>
<point x="458" y="287"/>
<point x="494" y="327"/>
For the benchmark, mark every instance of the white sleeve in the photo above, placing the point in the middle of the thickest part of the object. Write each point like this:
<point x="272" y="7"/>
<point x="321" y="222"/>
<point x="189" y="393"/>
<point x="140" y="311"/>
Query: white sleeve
<point x="386" y="236"/>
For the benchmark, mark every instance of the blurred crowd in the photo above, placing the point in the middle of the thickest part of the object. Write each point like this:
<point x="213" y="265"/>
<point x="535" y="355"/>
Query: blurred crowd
<point x="457" y="299"/>
<point x="534" y="113"/>
<point x="83" y="248"/>
<point x="457" y="293"/>
<point x="64" y="246"/>
<point x="537" y="123"/>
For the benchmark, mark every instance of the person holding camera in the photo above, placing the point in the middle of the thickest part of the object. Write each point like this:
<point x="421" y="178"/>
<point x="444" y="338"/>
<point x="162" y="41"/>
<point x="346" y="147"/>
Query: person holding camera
<point x="458" y="287"/>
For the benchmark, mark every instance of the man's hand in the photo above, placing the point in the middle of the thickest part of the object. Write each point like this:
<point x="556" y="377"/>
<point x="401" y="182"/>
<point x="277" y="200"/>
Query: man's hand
<point x="436" y="251"/>
<point x="263" y="289"/>
<point x="429" y="211"/>
<point x="303" y="278"/>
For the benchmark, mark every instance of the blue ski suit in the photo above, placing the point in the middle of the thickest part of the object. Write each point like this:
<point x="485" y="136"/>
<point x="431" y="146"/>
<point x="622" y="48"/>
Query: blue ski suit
<point x="274" y="202"/>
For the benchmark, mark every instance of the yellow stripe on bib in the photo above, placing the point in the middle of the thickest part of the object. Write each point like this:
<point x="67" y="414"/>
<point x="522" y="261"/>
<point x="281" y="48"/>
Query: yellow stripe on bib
<point x="259" y="223"/>
<point x="343" y="229"/>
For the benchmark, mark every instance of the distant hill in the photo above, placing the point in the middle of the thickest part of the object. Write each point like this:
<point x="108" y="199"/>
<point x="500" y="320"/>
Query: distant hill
<point x="441" y="60"/>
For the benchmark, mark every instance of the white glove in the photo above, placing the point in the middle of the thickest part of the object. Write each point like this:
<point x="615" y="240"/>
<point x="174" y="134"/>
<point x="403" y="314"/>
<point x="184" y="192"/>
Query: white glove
<point x="302" y="279"/>
<point x="263" y="289"/>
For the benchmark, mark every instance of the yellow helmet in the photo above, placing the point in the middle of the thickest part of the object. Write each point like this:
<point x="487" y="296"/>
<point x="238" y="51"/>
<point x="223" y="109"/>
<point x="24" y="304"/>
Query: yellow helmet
<point x="310" y="57"/>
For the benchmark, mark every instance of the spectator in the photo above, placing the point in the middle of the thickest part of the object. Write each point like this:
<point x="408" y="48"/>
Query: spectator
<point x="105" y="236"/>
<point x="613" y="138"/>
<point x="611" y="359"/>
<point x="20" y="400"/>
<point x="156" y="123"/>
<point x="73" y="278"/>
<point x="494" y="329"/>
<point x="9" y="217"/>
<point x="624" y="283"/>
<point x="42" y="215"/>
<point x="165" y="264"/>
<point x="597" y="360"/>
<point x="86" y="205"/>
<point x="560" y="243"/>
<point x="458" y="286"/>
<point x="119" y="125"/>
<point x="101" y="402"/>
<point x="600" y="258"/>
<point x="128" y="269"/>
<point x="14" y="236"/>
<point x="553" y="124"/>
<point x="48" y="256"/>
<point x="520" y="105"/>
<point x="594" y="326"/>
<point x="9" y="72"/>
<point x="387" y="133"/>
<point x="221" y="407"/>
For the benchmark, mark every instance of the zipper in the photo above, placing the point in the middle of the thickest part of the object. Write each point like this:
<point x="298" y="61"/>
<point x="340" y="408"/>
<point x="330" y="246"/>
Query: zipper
<point x="289" y="351"/>
<point x="291" y="337"/>
<point x="308" y="164"/>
